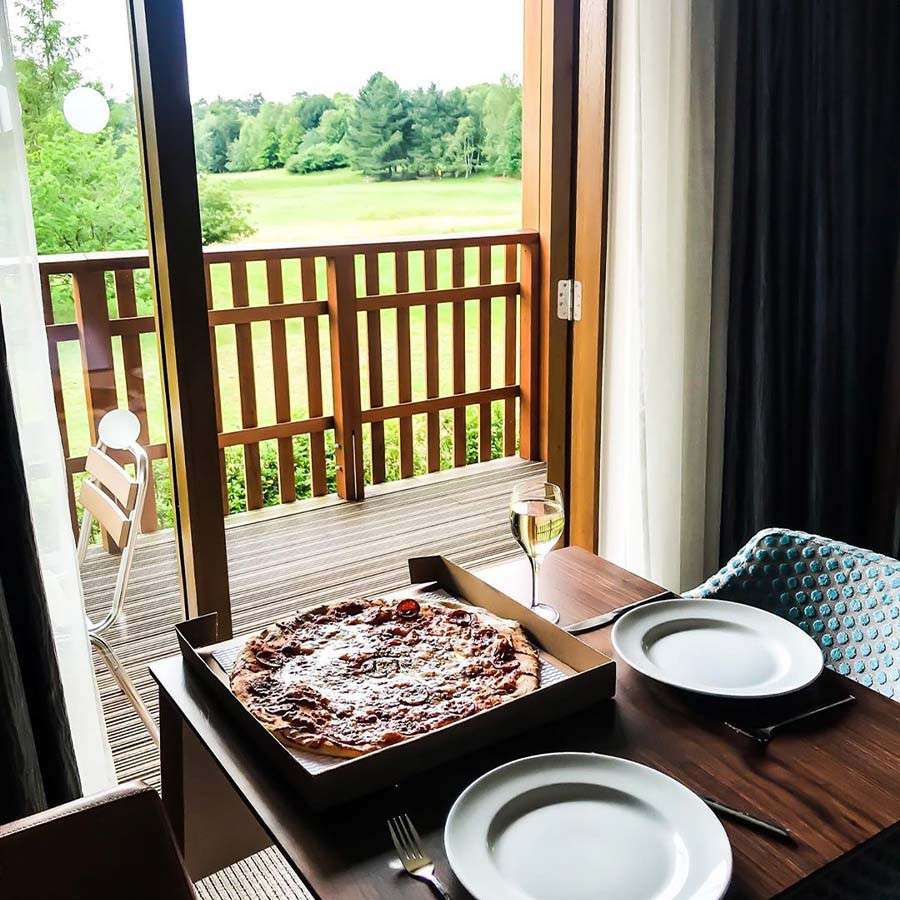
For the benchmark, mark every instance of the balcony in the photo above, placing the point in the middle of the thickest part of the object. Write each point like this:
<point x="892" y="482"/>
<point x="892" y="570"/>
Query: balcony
<point x="416" y="348"/>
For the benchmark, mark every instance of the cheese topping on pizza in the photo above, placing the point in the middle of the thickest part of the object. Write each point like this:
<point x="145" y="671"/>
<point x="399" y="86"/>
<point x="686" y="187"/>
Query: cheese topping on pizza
<point x="353" y="676"/>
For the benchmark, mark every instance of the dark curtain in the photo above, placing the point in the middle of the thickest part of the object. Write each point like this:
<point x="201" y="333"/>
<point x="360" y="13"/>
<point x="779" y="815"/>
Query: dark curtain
<point x="37" y="761"/>
<point x="810" y="403"/>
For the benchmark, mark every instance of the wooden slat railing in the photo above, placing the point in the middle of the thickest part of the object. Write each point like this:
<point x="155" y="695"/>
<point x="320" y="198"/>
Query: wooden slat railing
<point x="313" y="377"/>
<point x="433" y="423"/>
<point x="93" y="300"/>
<point x="404" y="363"/>
<point x="458" y="273"/>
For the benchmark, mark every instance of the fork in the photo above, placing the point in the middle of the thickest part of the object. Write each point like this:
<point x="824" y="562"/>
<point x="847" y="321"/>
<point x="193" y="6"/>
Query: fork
<point x="764" y="734"/>
<point x="415" y="860"/>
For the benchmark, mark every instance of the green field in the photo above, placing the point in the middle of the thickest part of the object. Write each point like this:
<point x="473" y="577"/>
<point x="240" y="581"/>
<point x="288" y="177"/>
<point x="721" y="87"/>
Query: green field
<point x="304" y="209"/>
<point x="342" y="204"/>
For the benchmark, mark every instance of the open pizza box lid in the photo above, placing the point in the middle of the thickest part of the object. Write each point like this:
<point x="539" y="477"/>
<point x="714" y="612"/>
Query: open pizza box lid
<point x="573" y="676"/>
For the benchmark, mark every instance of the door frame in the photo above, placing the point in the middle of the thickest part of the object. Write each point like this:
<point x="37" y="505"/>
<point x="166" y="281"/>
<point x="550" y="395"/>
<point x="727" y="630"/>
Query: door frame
<point x="589" y="268"/>
<point x="166" y="139"/>
<point x="565" y="117"/>
<point x="548" y="119"/>
<point x="565" y="151"/>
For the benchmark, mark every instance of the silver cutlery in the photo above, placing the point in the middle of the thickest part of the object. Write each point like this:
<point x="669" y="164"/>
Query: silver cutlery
<point x="748" y="818"/>
<point x="764" y="734"/>
<point x="610" y="617"/>
<point x="415" y="860"/>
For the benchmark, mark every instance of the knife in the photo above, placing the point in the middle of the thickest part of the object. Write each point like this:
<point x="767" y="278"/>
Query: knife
<point x="747" y="818"/>
<point x="610" y="617"/>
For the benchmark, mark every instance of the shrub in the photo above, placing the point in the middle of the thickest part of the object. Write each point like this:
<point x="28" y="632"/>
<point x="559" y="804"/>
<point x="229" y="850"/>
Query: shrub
<point x="222" y="217"/>
<point x="268" y="458"/>
<point x="317" y="158"/>
<point x="420" y="443"/>
<point x="268" y="464"/>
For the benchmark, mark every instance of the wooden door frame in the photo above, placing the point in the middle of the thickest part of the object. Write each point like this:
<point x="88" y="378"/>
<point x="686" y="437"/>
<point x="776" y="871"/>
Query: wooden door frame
<point x="589" y="268"/>
<point x="559" y="41"/>
<point x="548" y="109"/>
<point x="565" y="149"/>
<point x="166" y="139"/>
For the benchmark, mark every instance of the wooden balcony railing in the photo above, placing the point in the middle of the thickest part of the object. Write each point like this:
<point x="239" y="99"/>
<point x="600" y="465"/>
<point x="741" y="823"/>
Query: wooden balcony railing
<point x="335" y="318"/>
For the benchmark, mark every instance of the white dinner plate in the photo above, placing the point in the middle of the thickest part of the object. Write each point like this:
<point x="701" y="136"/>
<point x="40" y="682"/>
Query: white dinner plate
<point x="718" y="648"/>
<point x="580" y="826"/>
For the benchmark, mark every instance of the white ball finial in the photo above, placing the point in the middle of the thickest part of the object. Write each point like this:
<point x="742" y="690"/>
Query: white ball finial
<point x="119" y="429"/>
<point x="86" y="110"/>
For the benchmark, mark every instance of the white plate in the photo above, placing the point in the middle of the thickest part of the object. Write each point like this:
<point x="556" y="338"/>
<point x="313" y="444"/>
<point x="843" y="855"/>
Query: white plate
<point x="718" y="648"/>
<point x="580" y="826"/>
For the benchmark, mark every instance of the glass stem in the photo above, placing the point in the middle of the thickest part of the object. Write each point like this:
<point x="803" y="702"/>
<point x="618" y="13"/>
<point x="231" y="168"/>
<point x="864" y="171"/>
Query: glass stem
<point x="535" y="578"/>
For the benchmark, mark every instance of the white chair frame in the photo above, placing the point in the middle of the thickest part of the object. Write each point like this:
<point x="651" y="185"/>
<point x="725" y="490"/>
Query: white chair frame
<point x="95" y="629"/>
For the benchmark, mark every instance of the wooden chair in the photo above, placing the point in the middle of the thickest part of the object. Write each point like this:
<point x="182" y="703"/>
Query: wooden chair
<point x="114" y="499"/>
<point x="110" y="845"/>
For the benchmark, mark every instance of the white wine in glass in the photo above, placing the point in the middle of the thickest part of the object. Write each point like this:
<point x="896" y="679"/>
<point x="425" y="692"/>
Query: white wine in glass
<point x="537" y="518"/>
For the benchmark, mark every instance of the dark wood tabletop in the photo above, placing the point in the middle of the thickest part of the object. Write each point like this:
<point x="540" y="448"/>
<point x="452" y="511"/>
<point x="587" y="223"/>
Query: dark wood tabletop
<point x="833" y="781"/>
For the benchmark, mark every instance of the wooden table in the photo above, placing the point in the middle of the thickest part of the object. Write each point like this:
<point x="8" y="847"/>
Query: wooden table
<point x="835" y="782"/>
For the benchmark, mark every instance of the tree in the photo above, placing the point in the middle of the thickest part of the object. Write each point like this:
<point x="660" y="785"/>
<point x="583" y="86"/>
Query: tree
<point x="86" y="189"/>
<point x="310" y="108"/>
<point x="222" y="218"/>
<point x="251" y="106"/>
<point x="509" y="158"/>
<point x="217" y="127"/>
<point x="46" y="62"/>
<point x="257" y="145"/>
<point x="122" y="124"/>
<point x="324" y="147"/>
<point x="431" y="127"/>
<point x="300" y="117"/>
<point x="333" y="125"/>
<point x="86" y="193"/>
<point x="378" y="132"/>
<point x="494" y="104"/>
<point x="436" y="119"/>
<point x="464" y="149"/>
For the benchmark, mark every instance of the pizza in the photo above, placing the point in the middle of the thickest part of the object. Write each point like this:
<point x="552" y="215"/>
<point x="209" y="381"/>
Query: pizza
<point x="353" y="676"/>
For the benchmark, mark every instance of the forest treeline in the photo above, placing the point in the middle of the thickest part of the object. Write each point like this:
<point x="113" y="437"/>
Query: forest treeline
<point x="384" y="132"/>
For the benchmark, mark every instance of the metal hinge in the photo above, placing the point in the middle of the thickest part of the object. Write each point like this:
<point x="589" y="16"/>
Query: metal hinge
<point x="568" y="300"/>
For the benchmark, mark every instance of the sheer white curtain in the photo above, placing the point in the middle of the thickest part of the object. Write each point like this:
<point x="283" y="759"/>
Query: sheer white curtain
<point x="41" y="447"/>
<point x="663" y="386"/>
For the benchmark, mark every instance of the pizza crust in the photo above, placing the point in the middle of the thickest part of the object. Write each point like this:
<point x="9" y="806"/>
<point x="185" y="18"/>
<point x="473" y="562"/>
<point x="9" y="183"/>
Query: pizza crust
<point x="353" y="676"/>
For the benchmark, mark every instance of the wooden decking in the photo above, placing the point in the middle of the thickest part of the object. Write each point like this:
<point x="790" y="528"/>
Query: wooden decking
<point x="283" y="559"/>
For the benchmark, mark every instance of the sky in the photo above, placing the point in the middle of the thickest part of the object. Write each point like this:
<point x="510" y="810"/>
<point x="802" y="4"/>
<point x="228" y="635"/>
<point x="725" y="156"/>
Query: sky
<point x="279" y="47"/>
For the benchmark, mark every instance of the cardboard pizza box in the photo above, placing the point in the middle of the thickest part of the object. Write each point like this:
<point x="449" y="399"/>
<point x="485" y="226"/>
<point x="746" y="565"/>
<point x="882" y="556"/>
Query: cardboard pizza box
<point x="573" y="677"/>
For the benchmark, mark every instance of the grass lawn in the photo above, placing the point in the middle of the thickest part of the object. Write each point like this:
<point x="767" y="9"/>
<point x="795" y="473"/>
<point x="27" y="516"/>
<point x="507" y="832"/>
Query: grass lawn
<point x="328" y="206"/>
<point x="342" y="204"/>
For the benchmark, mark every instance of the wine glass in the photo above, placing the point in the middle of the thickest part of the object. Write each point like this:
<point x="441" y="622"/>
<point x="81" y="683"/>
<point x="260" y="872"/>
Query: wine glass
<point x="537" y="517"/>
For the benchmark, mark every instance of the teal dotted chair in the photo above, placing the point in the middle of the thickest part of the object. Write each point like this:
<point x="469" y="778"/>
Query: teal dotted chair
<point x="847" y="599"/>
